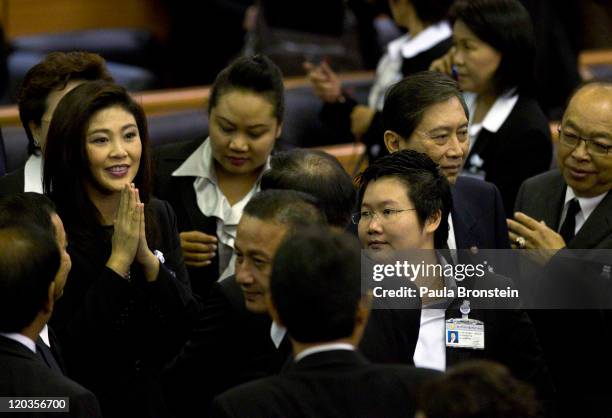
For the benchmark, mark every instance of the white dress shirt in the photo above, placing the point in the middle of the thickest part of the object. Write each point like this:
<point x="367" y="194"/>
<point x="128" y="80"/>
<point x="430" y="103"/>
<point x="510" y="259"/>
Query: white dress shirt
<point x="451" y="240"/>
<point x="32" y="174"/>
<point x="587" y="206"/>
<point x="213" y="203"/>
<point x="21" y="339"/>
<point x="44" y="335"/>
<point x="430" y="350"/>
<point x="277" y="333"/>
<point x="322" y="348"/>
<point x="389" y="69"/>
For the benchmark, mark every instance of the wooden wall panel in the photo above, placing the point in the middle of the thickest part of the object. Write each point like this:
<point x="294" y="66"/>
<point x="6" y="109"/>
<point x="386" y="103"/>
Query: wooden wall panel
<point x="28" y="17"/>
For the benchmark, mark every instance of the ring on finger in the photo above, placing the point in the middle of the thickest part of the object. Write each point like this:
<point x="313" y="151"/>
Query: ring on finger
<point x="520" y="241"/>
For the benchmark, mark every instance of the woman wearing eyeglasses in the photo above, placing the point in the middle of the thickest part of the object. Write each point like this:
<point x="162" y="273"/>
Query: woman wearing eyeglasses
<point x="404" y="201"/>
<point x="493" y="62"/>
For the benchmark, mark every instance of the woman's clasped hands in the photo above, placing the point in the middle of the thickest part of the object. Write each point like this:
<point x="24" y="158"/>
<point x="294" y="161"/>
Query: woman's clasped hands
<point x="129" y="242"/>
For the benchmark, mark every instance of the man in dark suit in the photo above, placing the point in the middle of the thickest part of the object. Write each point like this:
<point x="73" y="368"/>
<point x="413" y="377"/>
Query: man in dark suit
<point x="36" y="209"/>
<point x="426" y="112"/>
<point x="232" y="342"/>
<point x="30" y="269"/>
<point x="235" y="314"/>
<point x="42" y="89"/>
<point x="567" y="216"/>
<point x="315" y="291"/>
<point x="584" y="158"/>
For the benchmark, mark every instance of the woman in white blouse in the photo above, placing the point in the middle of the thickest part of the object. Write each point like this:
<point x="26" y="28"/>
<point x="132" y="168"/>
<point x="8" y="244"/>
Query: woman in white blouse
<point x="209" y="181"/>
<point x="428" y="38"/>
<point x="492" y="59"/>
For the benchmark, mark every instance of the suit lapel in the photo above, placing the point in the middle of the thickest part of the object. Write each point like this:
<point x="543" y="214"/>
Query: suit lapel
<point x="463" y="222"/>
<point x="46" y="356"/>
<point x="553" y="200"/>
<point x="190" y="204"/>
<point x="597" y="227"/>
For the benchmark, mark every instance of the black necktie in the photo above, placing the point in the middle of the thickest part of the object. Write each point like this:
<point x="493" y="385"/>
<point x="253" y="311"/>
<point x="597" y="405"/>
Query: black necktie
<point x="569" y="224"/>
<point x="46" y="355"/>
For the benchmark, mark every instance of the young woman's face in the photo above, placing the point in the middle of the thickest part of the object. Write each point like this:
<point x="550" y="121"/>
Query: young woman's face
<point x="113" y="148"/>
<point x="392" y="223"/>
<point x="476" y="61"/>
<point x="243" y="130"/>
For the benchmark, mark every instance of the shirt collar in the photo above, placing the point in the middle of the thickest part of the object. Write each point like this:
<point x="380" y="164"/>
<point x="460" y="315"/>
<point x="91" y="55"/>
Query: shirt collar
<point x="20" y="338"/>
<point x="587" y="204"/>
<point x="324" y="347"/>
<point x="408" y="47"/>
<point x="32" y="174"/>
<point x="44" y="335"/>
<point x="449" y="283"/>
<point x="198" y="164"/>
<point x="277" y="333"/>
<point x="499" y="112"/>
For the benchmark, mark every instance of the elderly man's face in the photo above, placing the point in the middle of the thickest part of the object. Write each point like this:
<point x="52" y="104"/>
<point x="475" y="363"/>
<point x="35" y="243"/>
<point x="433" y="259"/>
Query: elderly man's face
<point x="256" y="244"/>
<point x="442" y="134"/>
<point x="589" y="115"/>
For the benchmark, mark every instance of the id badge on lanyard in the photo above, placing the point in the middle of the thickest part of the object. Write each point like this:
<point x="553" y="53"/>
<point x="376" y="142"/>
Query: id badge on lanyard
<point x="465" y="332"/>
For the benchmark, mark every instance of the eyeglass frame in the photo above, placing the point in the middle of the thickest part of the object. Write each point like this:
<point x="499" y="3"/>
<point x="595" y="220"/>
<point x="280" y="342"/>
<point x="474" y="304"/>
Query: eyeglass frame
<point x="579" y="138"/>
<point x="356" y="217"/>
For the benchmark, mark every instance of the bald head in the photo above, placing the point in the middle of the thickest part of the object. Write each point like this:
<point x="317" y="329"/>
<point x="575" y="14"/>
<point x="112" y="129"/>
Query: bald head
<point x="318" y="174"/>
<point x="586" y="163"/>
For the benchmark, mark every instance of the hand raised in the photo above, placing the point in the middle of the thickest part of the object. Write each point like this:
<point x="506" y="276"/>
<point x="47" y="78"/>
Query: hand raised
<point x="325" y="81"/>
<point x="126" y="234"/>
<point x="443" y="64"/>
<point x="144" y="255"/>
<point x="538" y="237"/>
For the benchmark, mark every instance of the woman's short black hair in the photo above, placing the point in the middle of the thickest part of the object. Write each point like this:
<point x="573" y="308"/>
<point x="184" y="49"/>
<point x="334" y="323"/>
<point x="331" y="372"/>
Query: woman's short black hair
<point x="506" y="26"/>
<point x="256" y="74"/>
<point x="66" y="164"/>
<point x="427" y="187"/>
<point x="407" y="100"/>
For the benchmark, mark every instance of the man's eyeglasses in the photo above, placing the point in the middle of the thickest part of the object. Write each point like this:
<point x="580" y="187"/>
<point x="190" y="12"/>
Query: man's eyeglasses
<point x="595" y="146"/>
<point x="386" y="215"/>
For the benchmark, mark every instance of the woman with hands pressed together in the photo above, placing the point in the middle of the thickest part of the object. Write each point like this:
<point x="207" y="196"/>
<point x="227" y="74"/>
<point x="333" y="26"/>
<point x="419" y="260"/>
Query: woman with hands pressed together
<point x="492" y="59"/>
<point x="127" y="305"/>
<point x="210" y="180"/>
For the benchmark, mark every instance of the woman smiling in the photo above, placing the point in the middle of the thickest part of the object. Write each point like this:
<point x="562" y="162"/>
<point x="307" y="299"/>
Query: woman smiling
<point x="127" y="303"/>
